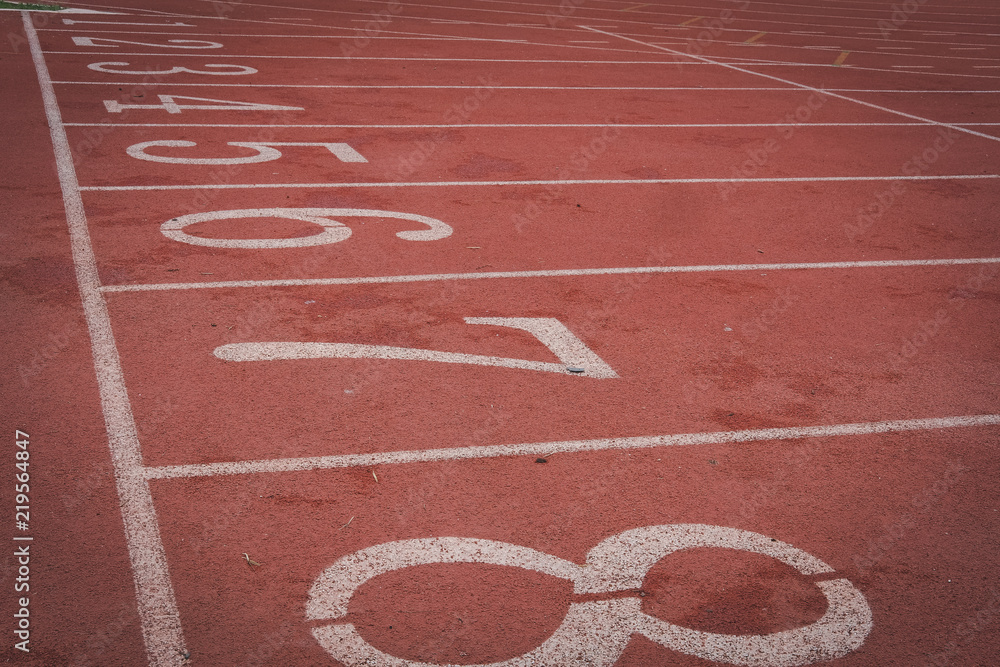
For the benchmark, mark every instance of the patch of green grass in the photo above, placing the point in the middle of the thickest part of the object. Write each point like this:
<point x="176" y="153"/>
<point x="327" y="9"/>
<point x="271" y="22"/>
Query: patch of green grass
<point x="27" y="5"/>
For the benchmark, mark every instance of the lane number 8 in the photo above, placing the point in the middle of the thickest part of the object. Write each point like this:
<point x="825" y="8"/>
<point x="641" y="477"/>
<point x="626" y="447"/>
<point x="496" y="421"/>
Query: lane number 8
<point x="595" y="634"/>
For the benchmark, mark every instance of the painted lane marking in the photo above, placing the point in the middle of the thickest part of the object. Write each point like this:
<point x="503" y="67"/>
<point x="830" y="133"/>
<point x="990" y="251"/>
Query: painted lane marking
<point x="596" y="633"/>
<point x="753" y="39"/>
<point x="690" y="21"/>
<point x="570" y="350"/>
<point x="522" y="60"/>
<point x="783" y="89"/>
<point x="171" y="43"/>
<point x="551" y="273"/>
<point x="347" y="35"/>
<point x="169" y="104"/>
<point x="598" y="181"/>
<point x="103" y="67"/>
<point x="841" y="58"/>
<point x="507" y="125"/>
<point x="116" y="23"/>
<point x="266" y="152"/>
<point x="333" y="231"/>
<point x="567" y="446"/>
<point x="803" y="86"/>
<point x="157" y="606"/>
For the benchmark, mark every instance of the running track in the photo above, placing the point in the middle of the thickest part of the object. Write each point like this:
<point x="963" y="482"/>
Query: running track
<point x="488" y="331"/>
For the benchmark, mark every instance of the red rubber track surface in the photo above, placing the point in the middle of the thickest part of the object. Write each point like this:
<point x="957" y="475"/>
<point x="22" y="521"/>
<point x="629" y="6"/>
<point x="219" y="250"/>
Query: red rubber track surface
<point x="759" y="216"/>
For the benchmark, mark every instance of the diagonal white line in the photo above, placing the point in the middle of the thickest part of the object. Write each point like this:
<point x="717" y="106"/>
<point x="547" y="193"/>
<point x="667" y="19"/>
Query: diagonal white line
<point x="567" y="446"/>
<point x="709" y="61"/>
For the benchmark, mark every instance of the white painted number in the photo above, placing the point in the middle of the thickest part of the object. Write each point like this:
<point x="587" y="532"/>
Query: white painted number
<point x="265" y="152"/>
<point x="171" y="43"/>
<point x="572" y="352"/>
<point x="596" y="633"/>
<point x="333" y="231"/>
<point x="221" y="70"/>
<point x="169" y="104"/>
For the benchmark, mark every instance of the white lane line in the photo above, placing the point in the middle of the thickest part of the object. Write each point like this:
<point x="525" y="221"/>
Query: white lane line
<point x="912" y="66"/>
<point x="350" y="35"/>
<point x="787" y="89"/>
<point x="410" y="86"/>
<point x="803" y="86"/>
<point x="527" y="125"/>
<point x="596" y="181"/>
<point x="523" y="125"/>
<point x="553" y="273"/>
<point x="511" y="60"/>
<point x="157" y="606"/>
<point x="476" y="87"/>
<point x="543" y="24"/>
<point x="388" y="58"/>
<point x="564" y="447"/>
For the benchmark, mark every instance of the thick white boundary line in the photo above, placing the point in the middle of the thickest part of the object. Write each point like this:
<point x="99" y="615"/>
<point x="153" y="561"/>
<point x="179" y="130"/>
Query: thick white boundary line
<point x="161" y="626"/>
<point x="599" y="181"/>
<point x="803" y="86"/>
<point x="552" y="273"/>
<point x="563" y="447"/>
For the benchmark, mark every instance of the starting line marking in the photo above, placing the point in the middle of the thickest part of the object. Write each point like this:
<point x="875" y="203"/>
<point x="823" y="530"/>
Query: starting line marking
<point x="568" y="181"/>
<point x="552" y="273"/>
<point x="564" y="447"/>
